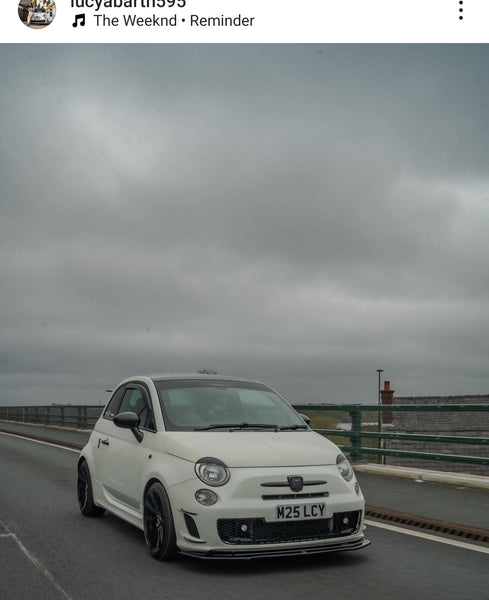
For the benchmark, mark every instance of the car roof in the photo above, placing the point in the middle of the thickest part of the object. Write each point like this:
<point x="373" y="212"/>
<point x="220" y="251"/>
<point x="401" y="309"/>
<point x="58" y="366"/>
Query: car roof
<point x="159" y="377"/>
<point x="217" y="377"/>
<point x="187" y="376"/>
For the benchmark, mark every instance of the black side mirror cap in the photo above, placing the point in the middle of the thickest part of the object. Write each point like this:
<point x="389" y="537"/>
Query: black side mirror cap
<point x="129" y="420"/>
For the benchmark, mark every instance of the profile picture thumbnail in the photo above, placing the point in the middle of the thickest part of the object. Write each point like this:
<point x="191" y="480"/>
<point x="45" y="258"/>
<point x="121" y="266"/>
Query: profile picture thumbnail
<point x="37" y="14"/>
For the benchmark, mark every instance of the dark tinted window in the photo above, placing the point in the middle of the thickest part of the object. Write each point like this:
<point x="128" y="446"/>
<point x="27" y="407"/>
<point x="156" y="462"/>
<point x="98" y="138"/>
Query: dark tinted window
<point x="191" y="404"/>
<point x="114" y="403"/>
<point x="136" y="400"/>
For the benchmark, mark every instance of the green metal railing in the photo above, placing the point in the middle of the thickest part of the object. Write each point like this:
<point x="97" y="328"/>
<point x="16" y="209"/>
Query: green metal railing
<point x="356" y="450"/>
<point x="84" y="417"/>
<point x="77" y="417"/>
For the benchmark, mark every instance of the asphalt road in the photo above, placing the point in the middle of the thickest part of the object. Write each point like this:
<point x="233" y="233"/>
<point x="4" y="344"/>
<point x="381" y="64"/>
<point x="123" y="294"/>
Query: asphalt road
<point x="48" y="550"/>
<point x="454" y="504"/>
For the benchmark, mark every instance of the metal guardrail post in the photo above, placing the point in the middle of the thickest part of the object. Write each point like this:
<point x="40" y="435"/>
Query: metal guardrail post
<point x="356" y="432"/>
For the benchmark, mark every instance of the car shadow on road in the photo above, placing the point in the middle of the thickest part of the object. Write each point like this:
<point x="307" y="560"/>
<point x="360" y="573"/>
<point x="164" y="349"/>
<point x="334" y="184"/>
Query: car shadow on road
<point x="226" y="568"/>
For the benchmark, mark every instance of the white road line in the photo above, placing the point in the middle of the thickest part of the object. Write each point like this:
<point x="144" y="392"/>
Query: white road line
<point x="40" y="441"/>
<point x="427" y="536"/>
<point x="34" y="560"/>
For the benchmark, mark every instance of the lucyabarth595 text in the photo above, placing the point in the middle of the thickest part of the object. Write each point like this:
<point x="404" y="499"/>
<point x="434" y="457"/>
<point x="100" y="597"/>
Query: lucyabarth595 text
<point x="218" y="467"/>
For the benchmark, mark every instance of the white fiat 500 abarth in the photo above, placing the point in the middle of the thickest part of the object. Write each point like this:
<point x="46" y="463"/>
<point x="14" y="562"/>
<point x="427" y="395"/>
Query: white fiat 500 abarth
<point x="218" y="467"/>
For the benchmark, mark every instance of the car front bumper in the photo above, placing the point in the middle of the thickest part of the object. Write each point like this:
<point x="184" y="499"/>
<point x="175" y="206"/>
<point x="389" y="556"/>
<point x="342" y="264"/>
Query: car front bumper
<point x="243" y="523"/>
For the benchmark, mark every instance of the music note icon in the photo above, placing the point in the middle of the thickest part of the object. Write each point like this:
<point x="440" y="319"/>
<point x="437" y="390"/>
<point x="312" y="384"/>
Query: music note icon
<point x="79" y="19"/>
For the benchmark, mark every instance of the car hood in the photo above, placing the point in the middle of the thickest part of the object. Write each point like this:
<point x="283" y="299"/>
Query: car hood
<point x="253" y="448"/>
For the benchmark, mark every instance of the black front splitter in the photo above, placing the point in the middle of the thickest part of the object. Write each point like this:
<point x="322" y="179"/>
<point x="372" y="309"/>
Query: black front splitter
<point x="279" y="552"/>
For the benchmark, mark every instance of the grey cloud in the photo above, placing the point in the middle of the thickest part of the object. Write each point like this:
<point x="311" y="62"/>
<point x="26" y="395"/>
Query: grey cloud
<point x="300" y="214"/>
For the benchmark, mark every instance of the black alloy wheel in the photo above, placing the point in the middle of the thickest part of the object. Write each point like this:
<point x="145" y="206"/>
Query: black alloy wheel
<point x="159" y="529"/>
<point x="85" y="493"/>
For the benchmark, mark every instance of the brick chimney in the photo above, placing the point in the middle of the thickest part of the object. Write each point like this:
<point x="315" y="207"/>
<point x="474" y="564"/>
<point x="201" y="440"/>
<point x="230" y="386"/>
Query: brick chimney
<point x="386" y="397"/>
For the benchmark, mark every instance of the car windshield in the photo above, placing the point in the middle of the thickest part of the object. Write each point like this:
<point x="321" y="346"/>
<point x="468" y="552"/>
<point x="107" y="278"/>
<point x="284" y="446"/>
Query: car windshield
<point x="200" y="405"/>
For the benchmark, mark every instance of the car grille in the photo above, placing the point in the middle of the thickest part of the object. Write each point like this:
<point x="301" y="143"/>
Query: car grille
<point x="300" y="496"/>
<point x="259" y="531"/>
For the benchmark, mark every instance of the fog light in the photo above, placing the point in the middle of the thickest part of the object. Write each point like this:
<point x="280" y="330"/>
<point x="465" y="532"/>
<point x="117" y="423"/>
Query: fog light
<point x="244" y="528"/>
<point x="206" y="497"/>
<point x="346" y="520"/>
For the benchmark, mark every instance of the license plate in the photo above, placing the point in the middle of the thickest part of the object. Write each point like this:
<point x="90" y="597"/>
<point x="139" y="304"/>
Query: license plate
<point x="299" y="512"/>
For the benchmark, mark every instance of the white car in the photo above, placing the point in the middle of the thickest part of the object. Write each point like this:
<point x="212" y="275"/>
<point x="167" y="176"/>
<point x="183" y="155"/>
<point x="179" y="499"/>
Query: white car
<point x="218" y="467"/>
<point x="39" y="16"/>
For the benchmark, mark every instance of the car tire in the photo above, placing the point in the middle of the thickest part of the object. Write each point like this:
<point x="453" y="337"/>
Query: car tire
<point x="159" y="528"/>
<point x="85" y="493"/>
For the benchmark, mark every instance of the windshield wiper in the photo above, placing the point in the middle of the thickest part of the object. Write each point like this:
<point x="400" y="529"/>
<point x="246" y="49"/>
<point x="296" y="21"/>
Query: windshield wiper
<point x="292" y="427"/>
<point x="238" y="426"/>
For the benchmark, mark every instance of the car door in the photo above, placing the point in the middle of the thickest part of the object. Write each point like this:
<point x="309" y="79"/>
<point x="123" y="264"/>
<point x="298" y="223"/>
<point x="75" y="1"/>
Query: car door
<point x="119" y="455"/>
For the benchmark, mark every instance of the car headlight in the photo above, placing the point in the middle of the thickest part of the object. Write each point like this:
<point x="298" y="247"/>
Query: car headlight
<point x="212" y="471"/>
<point x="344" y="467"/>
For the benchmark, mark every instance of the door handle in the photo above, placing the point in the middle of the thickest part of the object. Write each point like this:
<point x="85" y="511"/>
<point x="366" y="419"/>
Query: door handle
<point x="104" y="442"/>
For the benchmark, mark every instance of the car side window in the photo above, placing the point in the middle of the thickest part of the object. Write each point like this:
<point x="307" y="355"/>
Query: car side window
<point x="113" y="406"/>
<point x="136" y="400"/>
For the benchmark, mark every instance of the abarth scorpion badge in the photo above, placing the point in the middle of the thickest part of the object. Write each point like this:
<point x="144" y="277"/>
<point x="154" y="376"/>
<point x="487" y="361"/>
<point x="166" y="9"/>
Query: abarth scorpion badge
<point x="296" y="483"/>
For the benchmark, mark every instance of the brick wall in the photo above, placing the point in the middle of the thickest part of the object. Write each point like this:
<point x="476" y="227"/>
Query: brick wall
<point x="468" y="424"/>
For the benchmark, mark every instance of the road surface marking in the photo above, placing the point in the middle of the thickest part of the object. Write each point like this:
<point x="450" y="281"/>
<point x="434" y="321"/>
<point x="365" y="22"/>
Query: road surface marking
<point x="60" y="445"/>
<point x="34" y="560"/>
<point x="428" y="536"/>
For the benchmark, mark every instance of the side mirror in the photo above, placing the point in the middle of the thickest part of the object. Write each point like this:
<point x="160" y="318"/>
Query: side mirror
<point x="129" y="420"/>
<point x="305" y="418"/>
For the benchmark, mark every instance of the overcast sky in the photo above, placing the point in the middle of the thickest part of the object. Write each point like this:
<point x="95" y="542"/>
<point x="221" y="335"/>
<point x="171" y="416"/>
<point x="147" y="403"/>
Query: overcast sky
<point x="300" y="214"/>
